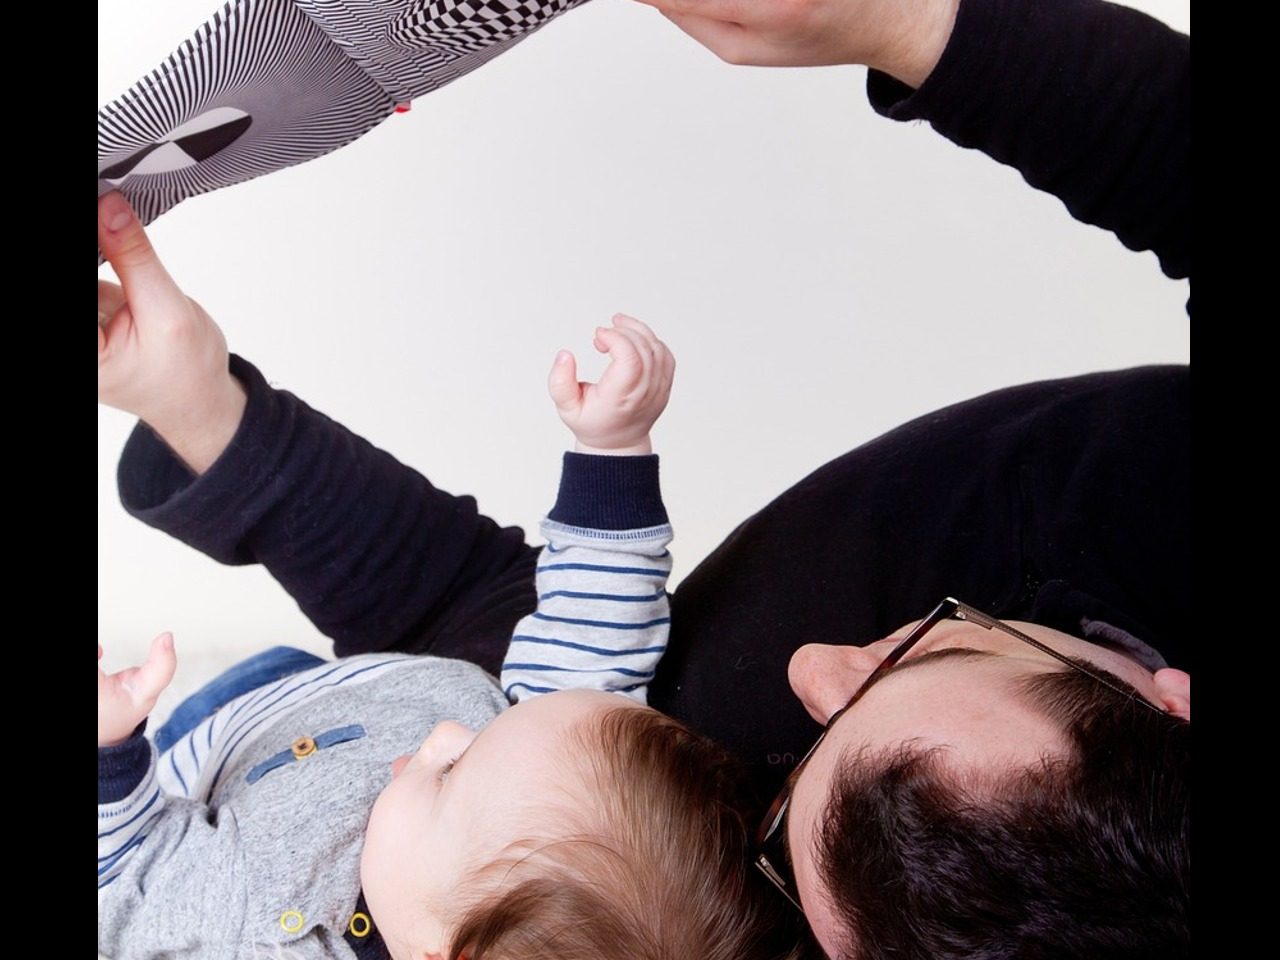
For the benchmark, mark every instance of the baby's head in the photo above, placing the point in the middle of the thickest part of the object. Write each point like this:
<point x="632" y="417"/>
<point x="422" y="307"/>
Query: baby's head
<point x="575" y="825"/>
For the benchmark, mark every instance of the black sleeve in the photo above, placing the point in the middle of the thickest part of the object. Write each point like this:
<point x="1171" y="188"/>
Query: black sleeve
<point x="1048" y="502"/>
<point x="1088" y="100"/>
<point x="375" y="556"/>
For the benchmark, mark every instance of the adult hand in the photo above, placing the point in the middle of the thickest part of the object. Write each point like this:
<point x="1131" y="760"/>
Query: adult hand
<point x="160" y="356"/>
<point x="615" y="415"/>
<point x="126" y="698"/>
<point x="904" y="38"/>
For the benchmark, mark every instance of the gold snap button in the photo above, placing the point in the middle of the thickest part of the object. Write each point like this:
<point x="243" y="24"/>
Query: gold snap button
<point x="291" y="921"/>
<point x="360" y="925"/>
<point x="303" y="747"/>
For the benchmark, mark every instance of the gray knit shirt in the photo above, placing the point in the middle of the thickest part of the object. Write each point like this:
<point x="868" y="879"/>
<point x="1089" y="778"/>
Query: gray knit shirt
<point x="244" y="839"/>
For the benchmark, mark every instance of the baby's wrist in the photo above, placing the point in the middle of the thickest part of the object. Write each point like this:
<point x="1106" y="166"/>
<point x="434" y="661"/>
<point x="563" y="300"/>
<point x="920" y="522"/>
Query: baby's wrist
<point x="638" y="448"/>
<point x="120" y="731"/>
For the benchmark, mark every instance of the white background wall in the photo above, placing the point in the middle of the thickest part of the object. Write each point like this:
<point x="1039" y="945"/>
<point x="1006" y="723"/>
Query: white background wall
<point x="821" y="273"/>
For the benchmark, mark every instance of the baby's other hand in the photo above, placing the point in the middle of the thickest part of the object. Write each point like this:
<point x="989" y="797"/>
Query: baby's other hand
<point x="125" y="699"/>
<point x="615" y="415"/>
<point x="160" y="356"/>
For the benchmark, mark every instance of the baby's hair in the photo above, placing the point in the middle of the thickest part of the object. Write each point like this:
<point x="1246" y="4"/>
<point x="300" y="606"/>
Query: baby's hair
<point x="657" y="867"/>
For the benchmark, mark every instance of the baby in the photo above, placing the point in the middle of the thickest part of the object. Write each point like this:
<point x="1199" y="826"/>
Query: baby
<point x="309" y="817"/>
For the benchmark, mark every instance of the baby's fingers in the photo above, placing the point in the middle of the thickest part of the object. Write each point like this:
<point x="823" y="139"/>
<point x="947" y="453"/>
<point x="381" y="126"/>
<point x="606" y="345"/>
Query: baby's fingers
<point x="626" y="361"/>
<point x="147" y="682"/>
<point x="641" y="337"/>
<point x="662" y="362"/>
<point x="638" y="327"/>
<point x="562" y="382"/>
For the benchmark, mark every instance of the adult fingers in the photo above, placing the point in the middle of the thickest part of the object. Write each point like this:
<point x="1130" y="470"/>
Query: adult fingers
<point x="124" y="243"/>
<point x="731" y="42"/>
<point x="110" y="299"/>
<point x="562" y="382"/>
<point x="725" y="10"/>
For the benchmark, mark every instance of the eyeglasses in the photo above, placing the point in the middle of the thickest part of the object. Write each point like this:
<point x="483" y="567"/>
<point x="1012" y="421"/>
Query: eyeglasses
<point x="771" y="855"/>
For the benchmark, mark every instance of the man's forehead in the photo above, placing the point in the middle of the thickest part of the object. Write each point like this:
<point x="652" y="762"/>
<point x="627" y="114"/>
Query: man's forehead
<point x="962" y="702"/>
<point x="962" y="699"/>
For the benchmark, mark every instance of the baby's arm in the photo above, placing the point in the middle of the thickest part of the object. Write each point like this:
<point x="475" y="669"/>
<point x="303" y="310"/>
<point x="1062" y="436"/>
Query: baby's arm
<point x="603" y="614"/>
<point x="167" y="878"/>
<point x="130" y="802"/>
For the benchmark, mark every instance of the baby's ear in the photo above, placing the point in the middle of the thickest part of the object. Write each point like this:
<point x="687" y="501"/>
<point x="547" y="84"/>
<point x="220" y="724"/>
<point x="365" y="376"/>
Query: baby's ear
<point x="1174" y="688"/>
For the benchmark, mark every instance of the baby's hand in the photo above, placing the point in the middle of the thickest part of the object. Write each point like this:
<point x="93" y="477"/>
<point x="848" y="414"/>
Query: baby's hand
<point x="126" y="698"/>
<point x="614" y="416"/>
<point x="160" y="356"/>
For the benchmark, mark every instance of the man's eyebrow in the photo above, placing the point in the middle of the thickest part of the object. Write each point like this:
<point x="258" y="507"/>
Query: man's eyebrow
<point x="933" y="656"/>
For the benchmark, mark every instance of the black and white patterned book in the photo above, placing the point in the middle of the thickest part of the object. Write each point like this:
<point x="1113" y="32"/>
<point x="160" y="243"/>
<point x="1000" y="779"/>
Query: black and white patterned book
<point x="266" y="84"/>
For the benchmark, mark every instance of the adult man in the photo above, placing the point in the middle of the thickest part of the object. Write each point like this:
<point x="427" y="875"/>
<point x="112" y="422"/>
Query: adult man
<point x="949" y="810"/>
<point x="1064" y="504"/>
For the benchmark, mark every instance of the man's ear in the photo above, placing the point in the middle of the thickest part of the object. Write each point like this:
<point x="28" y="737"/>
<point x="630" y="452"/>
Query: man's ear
<point x="1174" y="689"/>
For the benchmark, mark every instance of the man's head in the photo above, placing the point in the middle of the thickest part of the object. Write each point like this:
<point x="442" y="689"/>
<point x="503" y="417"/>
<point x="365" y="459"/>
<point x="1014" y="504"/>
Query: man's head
<point x="983" y="799"/>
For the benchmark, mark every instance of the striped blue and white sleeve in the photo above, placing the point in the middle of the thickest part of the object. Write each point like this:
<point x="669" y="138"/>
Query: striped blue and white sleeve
<point x="129" y="802"/>
<point x="603" y="613"/>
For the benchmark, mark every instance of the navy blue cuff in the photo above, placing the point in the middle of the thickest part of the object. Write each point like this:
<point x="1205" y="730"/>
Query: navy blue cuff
<point x="122" y="767"/>
<point x="609" y="493"/>
<point x="161" y="491"/>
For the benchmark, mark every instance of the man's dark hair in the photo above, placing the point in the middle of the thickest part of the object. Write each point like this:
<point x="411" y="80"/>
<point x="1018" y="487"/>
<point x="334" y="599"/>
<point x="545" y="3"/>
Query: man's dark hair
<point x="1083" y="855"/>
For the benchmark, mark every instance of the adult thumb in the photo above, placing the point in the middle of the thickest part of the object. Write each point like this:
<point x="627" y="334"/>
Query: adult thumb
<point x="124" y="244"/>
<point x="562" y="382"/>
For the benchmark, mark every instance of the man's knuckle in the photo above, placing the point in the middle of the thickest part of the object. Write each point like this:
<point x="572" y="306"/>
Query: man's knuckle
<point x="134" y="250"/>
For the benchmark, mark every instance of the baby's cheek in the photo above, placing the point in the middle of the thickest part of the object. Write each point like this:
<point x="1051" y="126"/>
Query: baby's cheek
<point x="378" y="833"/>
<point x="376" y="858"/>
